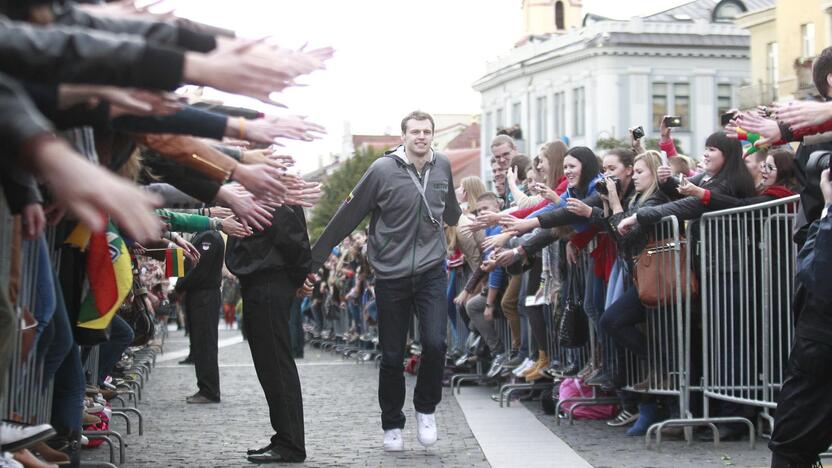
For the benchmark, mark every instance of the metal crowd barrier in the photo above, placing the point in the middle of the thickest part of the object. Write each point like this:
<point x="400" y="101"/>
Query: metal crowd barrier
<point x="584" y="355"/>
<point x="27" y="398"/>
<point x="746" y="266"/>
<point x="746" y="301"/>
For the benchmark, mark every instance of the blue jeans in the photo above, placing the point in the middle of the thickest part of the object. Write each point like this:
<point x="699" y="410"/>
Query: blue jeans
<point x="397" y="299"/>
<point x="121" y="335"/>
<point x="68" y="392"/>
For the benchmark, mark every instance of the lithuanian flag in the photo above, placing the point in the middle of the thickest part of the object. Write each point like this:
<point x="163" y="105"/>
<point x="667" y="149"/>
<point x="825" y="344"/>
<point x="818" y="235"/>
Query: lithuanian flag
<point x="174" y="262"/>
<point x="109" y="275"/>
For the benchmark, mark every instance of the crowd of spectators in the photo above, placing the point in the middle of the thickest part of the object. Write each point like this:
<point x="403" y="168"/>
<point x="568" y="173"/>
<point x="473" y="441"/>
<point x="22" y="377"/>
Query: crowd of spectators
<point x="121" y="184"/>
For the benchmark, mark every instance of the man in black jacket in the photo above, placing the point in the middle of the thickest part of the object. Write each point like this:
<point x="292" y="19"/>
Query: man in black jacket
<point x="271" y="265"/>
<point x="803" y="422"/>
<point x="202" y="304"/>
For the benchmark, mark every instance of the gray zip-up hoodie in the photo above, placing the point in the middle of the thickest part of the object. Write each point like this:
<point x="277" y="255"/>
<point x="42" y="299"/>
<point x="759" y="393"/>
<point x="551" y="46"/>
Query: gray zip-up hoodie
<point x="404" y="240"/>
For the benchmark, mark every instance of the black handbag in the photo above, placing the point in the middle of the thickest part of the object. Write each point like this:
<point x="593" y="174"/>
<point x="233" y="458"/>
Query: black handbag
<point x="574" y="326"/>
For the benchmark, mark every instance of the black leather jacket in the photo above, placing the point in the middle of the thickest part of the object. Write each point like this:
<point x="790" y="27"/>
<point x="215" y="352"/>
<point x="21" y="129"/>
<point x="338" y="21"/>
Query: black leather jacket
<point x="75" y="55"/>
<point x="154" y="32"/>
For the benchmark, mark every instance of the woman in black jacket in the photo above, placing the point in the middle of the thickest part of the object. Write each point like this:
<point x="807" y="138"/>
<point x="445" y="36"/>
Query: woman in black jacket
<point x="725" y="173"/>
<point x="621" y="316"/>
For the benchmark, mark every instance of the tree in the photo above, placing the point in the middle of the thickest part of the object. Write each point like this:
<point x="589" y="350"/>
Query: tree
<point x="649" y="144"/>
<point x="338" y="187"/>
<point x="610" y="143"/>
<point x="653" y="144"/>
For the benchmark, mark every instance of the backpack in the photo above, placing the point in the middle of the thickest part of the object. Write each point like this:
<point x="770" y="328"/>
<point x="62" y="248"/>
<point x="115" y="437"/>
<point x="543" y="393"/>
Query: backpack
<point x="575" y="388"/>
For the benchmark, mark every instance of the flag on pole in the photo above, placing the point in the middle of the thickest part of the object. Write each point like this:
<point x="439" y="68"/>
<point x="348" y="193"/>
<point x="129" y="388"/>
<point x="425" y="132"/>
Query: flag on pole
<point x="109" y="277"/>
<point x="175" y="262"/>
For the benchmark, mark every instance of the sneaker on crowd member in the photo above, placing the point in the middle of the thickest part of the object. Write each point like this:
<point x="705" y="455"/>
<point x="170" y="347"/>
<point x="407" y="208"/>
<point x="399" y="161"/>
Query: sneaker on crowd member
<point x="14" y="436"/>
<point x="523" y="367"/>
<point x="624" y="418"/>
<point x="515" y="360"/>
<point x="496" y="365"/>
<point x="648" y="415"/>
<point x="426" y="429"/>
<point x="393" y="441"/>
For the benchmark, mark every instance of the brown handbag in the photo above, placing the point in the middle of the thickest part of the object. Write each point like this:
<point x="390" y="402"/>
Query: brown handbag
<point x="654" y="280"/>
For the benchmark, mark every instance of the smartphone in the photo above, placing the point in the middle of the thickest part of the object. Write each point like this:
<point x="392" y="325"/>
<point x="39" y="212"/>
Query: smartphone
<point x="725" y="118"/>
<point x="672" y="121"/>
<point x="663" y="157"/>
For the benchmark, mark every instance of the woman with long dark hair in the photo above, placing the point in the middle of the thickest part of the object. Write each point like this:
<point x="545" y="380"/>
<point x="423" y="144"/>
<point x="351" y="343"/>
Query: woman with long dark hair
<point x="725" y="173"/>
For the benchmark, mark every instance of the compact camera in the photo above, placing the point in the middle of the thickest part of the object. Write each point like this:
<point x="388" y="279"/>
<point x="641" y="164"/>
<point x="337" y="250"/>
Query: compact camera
<point x="601" y="185"/>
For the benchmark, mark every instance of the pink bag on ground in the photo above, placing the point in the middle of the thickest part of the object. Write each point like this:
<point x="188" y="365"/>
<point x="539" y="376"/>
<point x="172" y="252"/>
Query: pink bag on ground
<point x="574" y="388"/>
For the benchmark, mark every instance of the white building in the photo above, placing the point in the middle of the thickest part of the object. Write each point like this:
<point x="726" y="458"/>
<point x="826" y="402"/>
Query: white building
<point x="597" y="79"/>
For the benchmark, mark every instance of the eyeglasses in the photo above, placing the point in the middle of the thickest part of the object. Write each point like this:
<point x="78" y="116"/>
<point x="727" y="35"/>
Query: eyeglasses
<point x="768" y="167"/>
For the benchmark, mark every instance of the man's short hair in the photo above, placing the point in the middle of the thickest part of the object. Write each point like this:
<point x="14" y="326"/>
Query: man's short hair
<point x="503" y="140"/>
<point x="490" y="196"/>
<point x="417" y="115"/>
<point x="821" y="69"/>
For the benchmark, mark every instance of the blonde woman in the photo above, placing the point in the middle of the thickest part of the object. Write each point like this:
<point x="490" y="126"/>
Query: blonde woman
<point x="624" y="311"/>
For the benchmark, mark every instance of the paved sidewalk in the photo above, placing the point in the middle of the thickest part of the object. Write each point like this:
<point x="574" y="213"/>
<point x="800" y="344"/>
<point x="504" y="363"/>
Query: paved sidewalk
<point x="340" y="408"/>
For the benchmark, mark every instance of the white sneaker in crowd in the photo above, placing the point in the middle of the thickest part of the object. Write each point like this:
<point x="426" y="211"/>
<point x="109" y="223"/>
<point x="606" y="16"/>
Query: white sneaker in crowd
<point x="523" y="367"/>
<point x="393" y="441"/>
<point x="14" y="436"/>
<point x="426" y="428"/>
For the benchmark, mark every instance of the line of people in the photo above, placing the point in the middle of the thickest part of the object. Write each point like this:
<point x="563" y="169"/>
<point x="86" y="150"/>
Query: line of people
<point x="100" y="153"/>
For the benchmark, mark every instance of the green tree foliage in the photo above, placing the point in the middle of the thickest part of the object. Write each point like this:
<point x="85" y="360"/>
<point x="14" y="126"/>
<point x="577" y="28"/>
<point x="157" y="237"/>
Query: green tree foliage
<point x="337" y="187"/>
<point x="610" y="143"/>
<point x="653" y="144"/>
<point x="649" y="143"/>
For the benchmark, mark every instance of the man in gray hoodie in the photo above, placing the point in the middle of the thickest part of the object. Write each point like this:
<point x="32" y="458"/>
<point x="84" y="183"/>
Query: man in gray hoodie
<point x="408" y="192"/>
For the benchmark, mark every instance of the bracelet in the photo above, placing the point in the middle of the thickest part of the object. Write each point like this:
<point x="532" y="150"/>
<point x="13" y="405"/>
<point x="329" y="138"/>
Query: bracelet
<point x="242" y="128"/>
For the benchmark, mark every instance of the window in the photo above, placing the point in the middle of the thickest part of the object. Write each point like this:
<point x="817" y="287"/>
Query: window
<point x="807" y="32"/>
<point x="489" y="127"/>
<point x="501" y="123"/>
<point x="727" y="11"/>
<point x="515" y="113"/>
<point x="541" y="129"/>
<point x="559" y="16"/>
<point x="723" y="101"/>
<point x="659" y="102"/>
<point x="558" y="113"/>
<point x="772" y="64"/>
<point x="579" y="111"/>
<point x="681" y="103"/>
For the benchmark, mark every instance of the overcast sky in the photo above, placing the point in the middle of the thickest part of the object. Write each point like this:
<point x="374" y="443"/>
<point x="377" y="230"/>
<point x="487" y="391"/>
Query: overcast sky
<point x="392" y="56"/>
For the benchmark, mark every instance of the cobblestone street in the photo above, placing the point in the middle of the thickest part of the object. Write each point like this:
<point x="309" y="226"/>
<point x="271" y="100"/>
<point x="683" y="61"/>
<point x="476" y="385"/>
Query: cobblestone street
<point x="340" y="409"/>
<point x="343" y="428"/>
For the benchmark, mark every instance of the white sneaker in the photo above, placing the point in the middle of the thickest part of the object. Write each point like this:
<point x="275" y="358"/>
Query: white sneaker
<point x="523" y="367"/>
<point x="14" y="436"/>
<point x="393" y="441"/>
<point x="426" y="429"/>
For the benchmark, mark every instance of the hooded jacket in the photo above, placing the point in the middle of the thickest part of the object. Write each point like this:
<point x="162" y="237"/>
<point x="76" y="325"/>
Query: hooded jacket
<point x="404" y="239"/>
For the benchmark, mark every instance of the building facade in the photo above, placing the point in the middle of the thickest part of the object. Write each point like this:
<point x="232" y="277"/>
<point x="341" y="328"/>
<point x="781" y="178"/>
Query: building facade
<point x="598" y="80"/>
<point x="785" y="39"/>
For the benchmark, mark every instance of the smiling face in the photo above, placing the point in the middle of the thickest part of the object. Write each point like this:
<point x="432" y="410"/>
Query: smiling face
<point x="768" y="171"/>
<point x="642" y="177"/>
<point x="572" y="171"/>
<point x="713" y="161"/>
<point x="418" y="137"/>
<point x="503" y="153"/>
